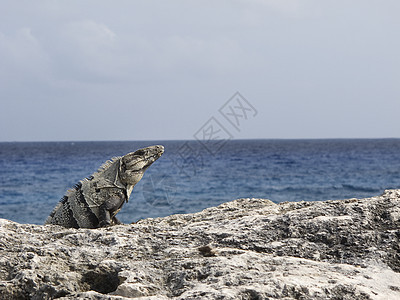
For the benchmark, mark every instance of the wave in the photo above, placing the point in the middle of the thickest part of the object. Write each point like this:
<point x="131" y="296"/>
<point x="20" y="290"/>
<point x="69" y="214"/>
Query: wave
<point x="362" y="188"/>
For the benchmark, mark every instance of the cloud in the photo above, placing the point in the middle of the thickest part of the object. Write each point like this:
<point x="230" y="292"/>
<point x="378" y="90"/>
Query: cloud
<point x="92" y="52"/>
<point x="89" y="35"/>
<point x="84" y="51"/>
<point x="22" y="57"/>
<point x="288" y="8"/>
<point x="181" y="56"/>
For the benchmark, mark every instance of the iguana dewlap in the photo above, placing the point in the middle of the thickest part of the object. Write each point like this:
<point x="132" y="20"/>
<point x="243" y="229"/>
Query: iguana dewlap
<point x="95" y="200"/>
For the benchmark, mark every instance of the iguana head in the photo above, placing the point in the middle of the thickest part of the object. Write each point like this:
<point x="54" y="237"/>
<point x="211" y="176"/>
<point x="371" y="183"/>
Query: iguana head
<point x="133" y="165"/>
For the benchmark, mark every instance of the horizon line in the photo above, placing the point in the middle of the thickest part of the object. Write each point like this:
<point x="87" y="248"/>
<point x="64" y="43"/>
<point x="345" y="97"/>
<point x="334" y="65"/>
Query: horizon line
<point x="184" y="140"/>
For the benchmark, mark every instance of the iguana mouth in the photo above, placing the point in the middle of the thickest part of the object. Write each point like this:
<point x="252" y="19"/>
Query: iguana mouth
<point x="160" y="151"/>
<point x="148" y="155"/>
<point x="155" y="156"/>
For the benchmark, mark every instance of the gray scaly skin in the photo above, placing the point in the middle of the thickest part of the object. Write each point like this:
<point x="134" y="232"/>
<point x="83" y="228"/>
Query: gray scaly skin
<point x="95" y="201"/>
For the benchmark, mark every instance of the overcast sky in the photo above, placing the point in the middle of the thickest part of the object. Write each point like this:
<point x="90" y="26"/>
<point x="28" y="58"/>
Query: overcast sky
<point x="157" y="70"/>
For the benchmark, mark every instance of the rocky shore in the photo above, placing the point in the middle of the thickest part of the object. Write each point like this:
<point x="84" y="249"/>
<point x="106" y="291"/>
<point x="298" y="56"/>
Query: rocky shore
<point x="244" y="249"/>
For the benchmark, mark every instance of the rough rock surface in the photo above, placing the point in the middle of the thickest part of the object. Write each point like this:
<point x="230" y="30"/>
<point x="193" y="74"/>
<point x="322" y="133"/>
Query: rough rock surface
<point x="244" y="249"/>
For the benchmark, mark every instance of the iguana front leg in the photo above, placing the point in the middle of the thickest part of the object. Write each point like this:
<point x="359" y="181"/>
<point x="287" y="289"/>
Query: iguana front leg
<point x="109" y="208"/>
<point x="115" y="221"/>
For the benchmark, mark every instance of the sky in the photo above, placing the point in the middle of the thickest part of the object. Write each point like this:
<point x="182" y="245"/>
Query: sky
<point x="160" y="70"/>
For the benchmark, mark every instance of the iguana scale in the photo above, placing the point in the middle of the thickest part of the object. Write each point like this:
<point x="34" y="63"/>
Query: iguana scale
<point x="95" y="200"/>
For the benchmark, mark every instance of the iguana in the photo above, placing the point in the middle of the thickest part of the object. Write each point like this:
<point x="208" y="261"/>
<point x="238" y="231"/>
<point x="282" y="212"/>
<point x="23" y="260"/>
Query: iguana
<point x="95" y="200"/>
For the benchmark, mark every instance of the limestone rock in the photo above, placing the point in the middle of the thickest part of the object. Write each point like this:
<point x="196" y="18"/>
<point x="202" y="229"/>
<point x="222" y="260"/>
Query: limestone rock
<point x="244" y="249"/>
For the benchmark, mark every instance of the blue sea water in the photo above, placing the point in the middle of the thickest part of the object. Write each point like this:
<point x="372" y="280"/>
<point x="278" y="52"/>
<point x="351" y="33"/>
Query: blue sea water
<point x="191" y="176"/>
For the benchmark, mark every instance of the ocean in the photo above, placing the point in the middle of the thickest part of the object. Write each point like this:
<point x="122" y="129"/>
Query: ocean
<point x="191" y="175"/>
